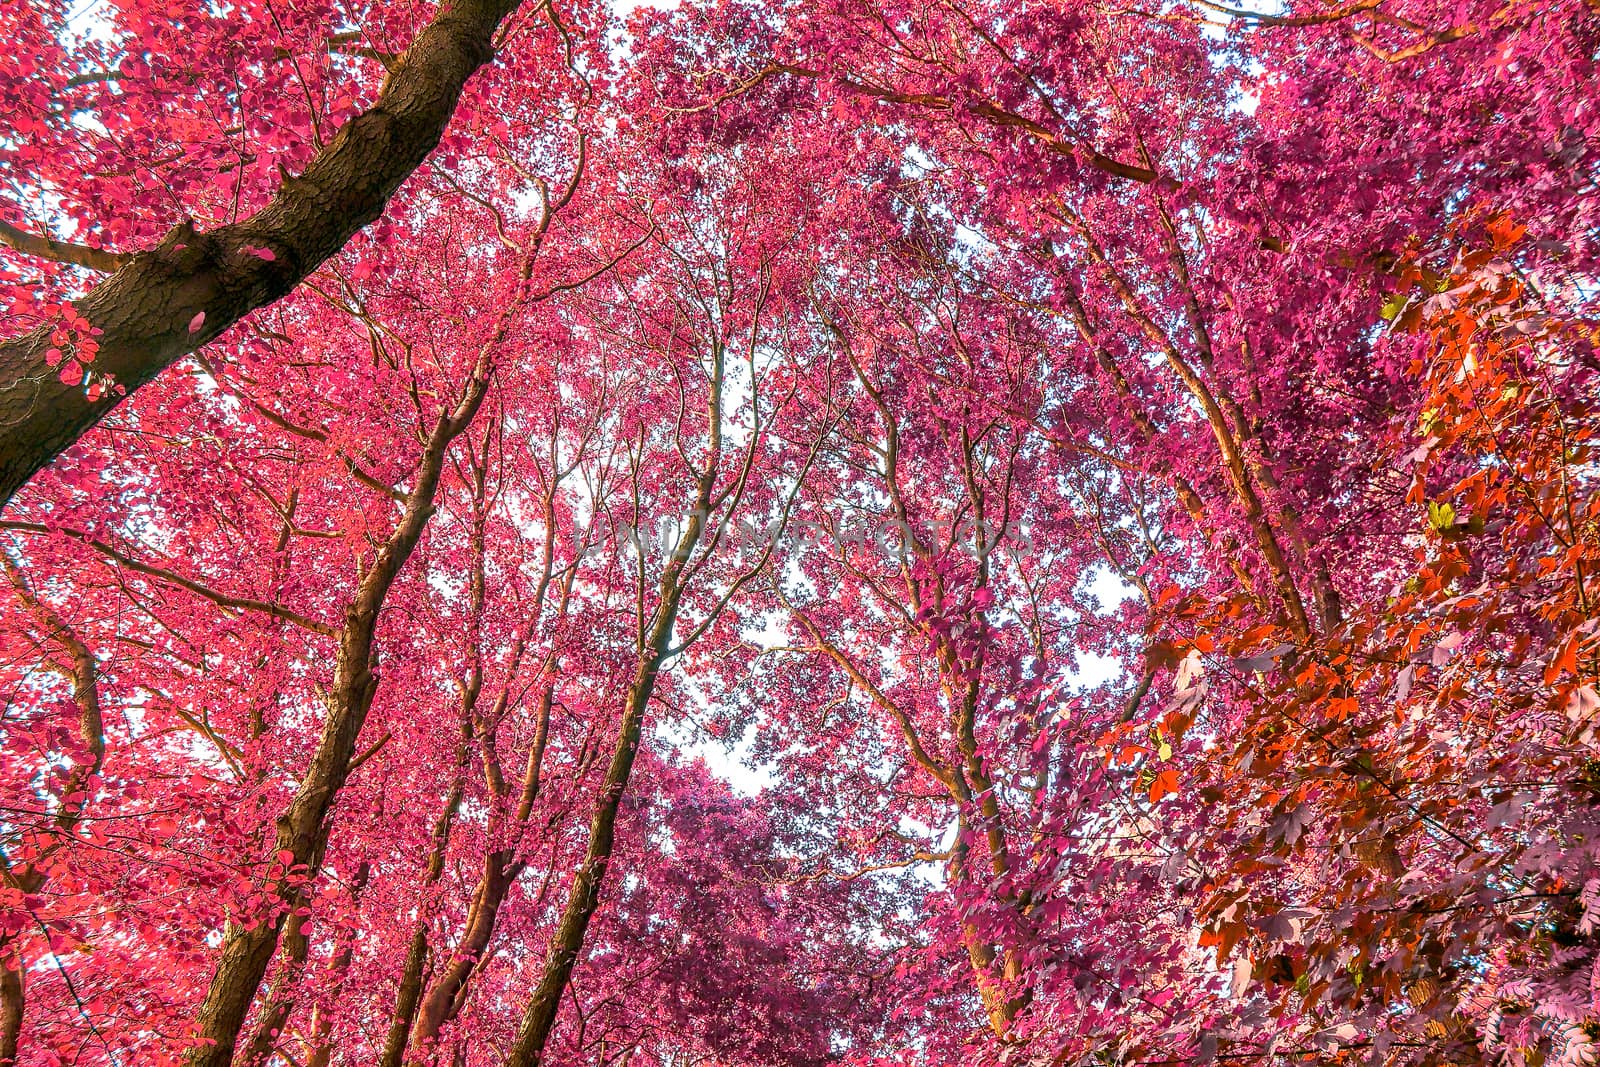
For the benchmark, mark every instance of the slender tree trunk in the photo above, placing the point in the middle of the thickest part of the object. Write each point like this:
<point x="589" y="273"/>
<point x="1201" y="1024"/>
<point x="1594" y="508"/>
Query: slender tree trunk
<point x="1325" y="595"/>
<point x="500" y="872"/>
<point x="280" y="998"/>
<point x="321" y="1042"/>
<point x="82" y="672"/>
<point x="1187" y="495"/>
<point x="999" y="1004"/>
<point x="302" y="828"/>
<point x="1236" y="464"/>
<point x="1001" y="1010"/>
<point x="413" y="973"/>
<point x="412" y="976"/>
<point x="301" y="831"/>
<point x="540" y="1017"/>
<point x="438" y="1007"/>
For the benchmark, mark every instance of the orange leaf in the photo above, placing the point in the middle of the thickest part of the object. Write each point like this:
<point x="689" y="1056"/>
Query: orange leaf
<point x="1566" y="661"/>
<point x="1166" y="782"/>
<point x="1505" y="232"/>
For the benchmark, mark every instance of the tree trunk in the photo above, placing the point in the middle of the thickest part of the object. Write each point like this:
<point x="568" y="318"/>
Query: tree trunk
<point x="146" y="309"/>
<point x="405" y="1000"/>
<point x="413" y="973"/>
<point x="540" y="1017"/>
<point x="280" y="1001"/>
<point x="12" y="1001"/>
<point x="500" y="872"/>
<point x="437" y="1007"/>
<point x="321" y="1041"/>
<point x="81" y="670"/>
<point x="302" y="828"/>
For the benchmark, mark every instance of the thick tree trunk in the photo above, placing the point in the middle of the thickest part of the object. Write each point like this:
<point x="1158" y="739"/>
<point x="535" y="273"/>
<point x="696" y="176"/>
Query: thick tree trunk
<point x="12" y="1001"/>
<point x="146" y="308"/>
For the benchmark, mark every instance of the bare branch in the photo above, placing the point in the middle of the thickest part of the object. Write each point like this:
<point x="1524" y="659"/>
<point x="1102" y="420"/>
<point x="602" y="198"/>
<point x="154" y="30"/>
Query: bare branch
<point x="41" y="247"/>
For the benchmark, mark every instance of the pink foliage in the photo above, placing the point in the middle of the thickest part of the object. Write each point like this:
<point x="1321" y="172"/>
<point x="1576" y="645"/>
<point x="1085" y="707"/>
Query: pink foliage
<point x="1122" y="478"/>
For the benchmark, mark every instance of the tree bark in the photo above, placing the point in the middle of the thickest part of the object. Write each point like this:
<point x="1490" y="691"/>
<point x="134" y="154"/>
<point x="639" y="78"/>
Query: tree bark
<point x="501" y="869"/>
<point x="540" y="1017"/>
<point x="12" y="1001"/>
<point x="500" y="872"/>
<point x="321" y="1041"/>
<point x="302" y="828"/>
<point x="280" y="1000"/>
<point x="147" y="307"/>
<point x="405" y="999"/>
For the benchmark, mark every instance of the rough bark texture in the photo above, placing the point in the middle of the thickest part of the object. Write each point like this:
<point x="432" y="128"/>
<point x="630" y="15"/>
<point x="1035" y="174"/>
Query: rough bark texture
<point x="280" y="1000"/>
<point x="12" y="1000"/>
<point x="146" y="307"/>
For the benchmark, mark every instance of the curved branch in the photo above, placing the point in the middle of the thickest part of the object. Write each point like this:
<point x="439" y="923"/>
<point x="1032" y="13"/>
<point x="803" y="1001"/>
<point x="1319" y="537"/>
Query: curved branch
<point x="1337" y="14"/>
<point x="983" y="108"/>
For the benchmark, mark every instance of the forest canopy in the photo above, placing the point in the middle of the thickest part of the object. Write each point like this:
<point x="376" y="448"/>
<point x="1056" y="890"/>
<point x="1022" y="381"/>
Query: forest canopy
<point x="776" y="533"/>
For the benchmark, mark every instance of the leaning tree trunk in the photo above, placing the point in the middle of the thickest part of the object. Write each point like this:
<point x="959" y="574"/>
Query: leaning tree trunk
<point x="166" y="302"/>
<point x="540" y="1017"/>
<point x="302" y="828"/>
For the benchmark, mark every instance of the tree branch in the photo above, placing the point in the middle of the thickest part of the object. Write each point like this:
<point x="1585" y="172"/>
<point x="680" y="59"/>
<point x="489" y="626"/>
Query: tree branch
<point x="40" y="247"/>
<point x="224" y="600"/>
